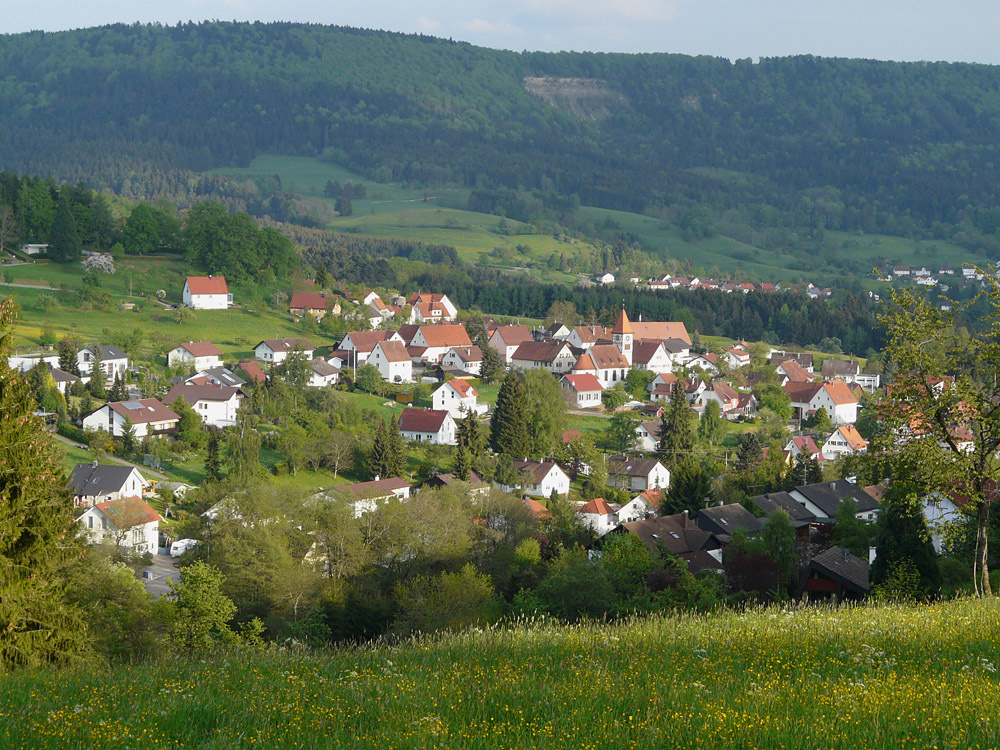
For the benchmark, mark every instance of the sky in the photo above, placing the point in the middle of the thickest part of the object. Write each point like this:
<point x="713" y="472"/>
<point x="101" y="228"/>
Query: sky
<point x="957" y="31"/>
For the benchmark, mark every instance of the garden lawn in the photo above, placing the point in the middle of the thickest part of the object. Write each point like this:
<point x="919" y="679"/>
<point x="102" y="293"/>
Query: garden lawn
<point x="863" y="678"/>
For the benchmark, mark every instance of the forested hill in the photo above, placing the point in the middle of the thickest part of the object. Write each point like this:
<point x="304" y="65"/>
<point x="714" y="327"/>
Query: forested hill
<point x="804" y="141"/>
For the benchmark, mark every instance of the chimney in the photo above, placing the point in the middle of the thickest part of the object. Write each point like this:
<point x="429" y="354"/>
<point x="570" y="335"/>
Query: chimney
<point x="377" y="477"/>
<point x="95" y="463"/>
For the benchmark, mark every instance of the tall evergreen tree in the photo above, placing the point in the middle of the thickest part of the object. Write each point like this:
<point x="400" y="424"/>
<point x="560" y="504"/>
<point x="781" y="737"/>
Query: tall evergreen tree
<point x="676" y="438"/>
<point x="67" y="349"/>
<point x="750" y="454"/>
<point x="509" y="424"/>
<point x="469" y="434"/>
<point x="64" y="242"/>
<point x="397" y="449"/>
<point x="462" y="464"/>
<point x="118" y="392"/>
<point x="37" y="532"/>
<point x="492" y="364"/>
<point x="213" y="464"/>
<point x="97" y="387"/>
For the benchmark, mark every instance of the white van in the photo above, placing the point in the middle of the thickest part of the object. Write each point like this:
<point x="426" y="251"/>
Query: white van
<point x="181" y="546"/>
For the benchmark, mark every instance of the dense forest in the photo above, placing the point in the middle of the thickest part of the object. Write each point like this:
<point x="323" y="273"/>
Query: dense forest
<point x="880" y="147"/>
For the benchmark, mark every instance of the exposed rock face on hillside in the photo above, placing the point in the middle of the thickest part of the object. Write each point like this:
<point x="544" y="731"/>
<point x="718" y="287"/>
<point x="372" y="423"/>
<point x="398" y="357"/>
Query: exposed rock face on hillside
<point x="585" y="98"/>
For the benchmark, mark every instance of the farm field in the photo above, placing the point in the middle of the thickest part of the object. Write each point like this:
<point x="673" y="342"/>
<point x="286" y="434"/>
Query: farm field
<point x="860" y="678"/>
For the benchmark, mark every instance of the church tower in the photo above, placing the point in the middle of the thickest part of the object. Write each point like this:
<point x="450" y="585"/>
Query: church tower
<point x="621" y="336"/>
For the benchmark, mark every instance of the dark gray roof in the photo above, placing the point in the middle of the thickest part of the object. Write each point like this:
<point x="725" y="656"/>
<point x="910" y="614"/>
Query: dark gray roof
<point x="676" y="533"/>
<point x="839" y="564"/>
<point x="87" y="479"/>
<point x="725" y="519"/>
<point x="631" y="467"/>
<point x="775" y="501"/>
<point x="675" y="346"/>
<point x="108" y="351"/>
<point x="223" y="376"/>
<point x="61" y="376"/>
<point x="827" y="496"/>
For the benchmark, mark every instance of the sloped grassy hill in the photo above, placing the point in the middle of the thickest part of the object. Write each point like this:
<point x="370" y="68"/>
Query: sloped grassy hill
<point x="866" y="677"/>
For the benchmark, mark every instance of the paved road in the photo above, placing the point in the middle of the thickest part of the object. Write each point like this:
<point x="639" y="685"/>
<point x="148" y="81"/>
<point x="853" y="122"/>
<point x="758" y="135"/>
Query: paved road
<point x="162" y="570"/>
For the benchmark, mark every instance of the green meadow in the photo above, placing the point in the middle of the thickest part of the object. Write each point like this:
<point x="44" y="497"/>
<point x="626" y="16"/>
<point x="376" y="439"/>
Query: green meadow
<point x="872" y="677"/>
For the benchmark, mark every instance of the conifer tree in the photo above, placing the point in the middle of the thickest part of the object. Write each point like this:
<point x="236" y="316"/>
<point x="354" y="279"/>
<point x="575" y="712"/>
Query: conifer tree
<point x="37" y="532"/>
<point x="470" y="435"/>
<point x="397" y="450"/>
<point x="902" y="540"/>
<point x="212" y="460"/>
<point x="462" y="464"/>
<point x="64" y="243"/>
<point x="379" y="460"/>
<point x="676" y="439"/>
<point x="492" y="364"/>
<point x="67" y="356"/>
<point x="750" y="454"/>
<point x="509" y="424"/>
<point x="118" y="392"/>
<point x="97" y="388"/>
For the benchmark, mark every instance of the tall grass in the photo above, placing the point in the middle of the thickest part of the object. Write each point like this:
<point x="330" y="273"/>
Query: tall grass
<point x="886" y="676"/>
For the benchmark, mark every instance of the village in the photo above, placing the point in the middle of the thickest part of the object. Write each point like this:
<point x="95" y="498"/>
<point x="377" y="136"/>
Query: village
<point x="627" y="376"/>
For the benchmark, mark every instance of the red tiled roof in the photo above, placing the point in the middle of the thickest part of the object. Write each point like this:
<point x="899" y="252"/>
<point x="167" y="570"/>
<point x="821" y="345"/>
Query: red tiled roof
<point x="658" y="330"/>
<point x="422" y="420"/>
<point x="622" y="325"/>
<point x="539" y="351"/>
<point x="464" y="389"/>
<point x="513" y="335"/>
<point x="608" y="356"/>
<point x="309" y="301"/>
<point x="582" y="383"/>
<point x="364" y="341"/>
<point x="201" y="349"/>
<point x="144" y="410"/>
<point x="128" y="512"/>
<point x="207" y="285"/>
<point x="445" y="335"/>
<point x="393" y="351"/>
<point x="598" y="507"/>
<point x="590" y="334"/>
<point x="584" y="364"/>
<point x="839" y="392"/>
<point x="252" y="370"/>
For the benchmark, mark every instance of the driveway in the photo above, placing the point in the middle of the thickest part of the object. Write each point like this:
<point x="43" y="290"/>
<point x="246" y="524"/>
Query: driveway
<point x="162" y="570"/>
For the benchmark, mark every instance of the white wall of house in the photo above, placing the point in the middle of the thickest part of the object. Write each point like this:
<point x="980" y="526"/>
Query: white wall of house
<point x="99" y="529"/>
<point x="109" y="420"/>
<point x="265" y="353"/>
<point x="610" y="377"/>
<point x="181" y="356"/>
<point x="836" y="445"/>
<point x="110" y="367"/>
<point x="637" y="509"/>
<point x="646" y="442"/>
<point x="217" y="413"/>
<point x="599" y="523"/>
<point x="131" y="487"/>
<point x="584" y="399"/>
<point x="940" y="512"/>
<point x="448" y="399"/>
<point x="839" y="413"/>
<point x="452" y="361"/>
<point x="659" y="362"/>
<point x="444" y="436"/>
<point x="206" y="301"/>
<point x="658" y="478"/>
<point x="392" y="371"/>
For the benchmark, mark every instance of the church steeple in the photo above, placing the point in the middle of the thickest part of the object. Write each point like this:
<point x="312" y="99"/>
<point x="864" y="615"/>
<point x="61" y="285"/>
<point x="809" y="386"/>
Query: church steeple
<point x="622" y="336"/>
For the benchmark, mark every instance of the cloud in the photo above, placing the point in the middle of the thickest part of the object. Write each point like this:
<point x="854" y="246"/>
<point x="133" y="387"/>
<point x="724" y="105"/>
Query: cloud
<point x="428" y="25"/>
<point x="484" y="26"/>
<point x="590" y="10"/>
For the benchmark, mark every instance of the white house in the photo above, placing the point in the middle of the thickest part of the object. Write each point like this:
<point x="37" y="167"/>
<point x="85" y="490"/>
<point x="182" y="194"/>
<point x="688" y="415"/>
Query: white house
<point x="392" y="361"/>
<point x="427" y="426"/>
<point x="28" y="362"/>
<point x="651" y="356"/>
<point x="466" y="358"/>
<point x="63" y="380"/>
<point x="941" y="513"/>
<point x="322" y="373"/>
<point x="431" y="307"/>
<point x="458" y="398"/>
<point x="148" y="415"/>
<point x="437" y="340"/>
<point x="648" y="435"/>
<point x="506" y="339"/>
<point x="128" y="523"/>
<point x="367" y="496"/>
<point x="215" y="404"/>
<point x="555" y="356"/>
<point x="832" y="395"/>
<point x="637" y="473"/>
<point x="95" y="483"/>
<point x="584" y="389"/>
<point x="706" y="362"/>
<point x="844" y="441"/>
<point x="206" y="293"/>
<point x="540" y="478"/>
<point x="584" y="337"/>
<point x="276" y="351"/>
<point x="202" y="355"/>
<point x="598" y="515"/>
<point x="611" y="365"/>
<point x="605" y="278"/>
<point x="644" y="505"/>
<point x="114" y="362"/>
<point x="736" y="358"/>
<point x="358" y="345"/>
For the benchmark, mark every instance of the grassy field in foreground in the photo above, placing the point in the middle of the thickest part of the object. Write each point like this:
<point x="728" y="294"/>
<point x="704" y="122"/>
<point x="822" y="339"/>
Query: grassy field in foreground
<point x="868" y="677"/>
